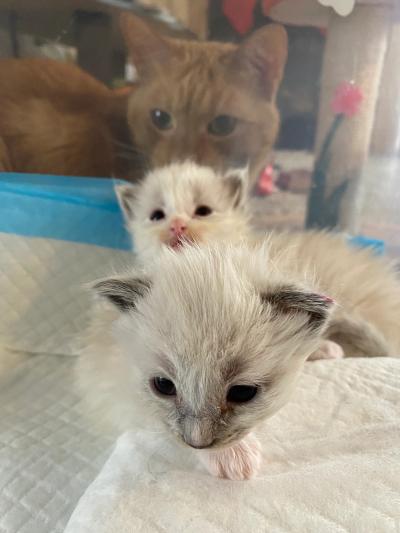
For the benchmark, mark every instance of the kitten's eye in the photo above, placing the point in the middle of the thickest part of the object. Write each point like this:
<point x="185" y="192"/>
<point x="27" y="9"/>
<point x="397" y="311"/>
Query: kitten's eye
<point x="241" y="393"/>
<point x="161" y="119"/>
<point x="222" y="125"/>
<point x="164" y="386"/>
<point x="158" y="214"/>
<point x="203" y="211"/>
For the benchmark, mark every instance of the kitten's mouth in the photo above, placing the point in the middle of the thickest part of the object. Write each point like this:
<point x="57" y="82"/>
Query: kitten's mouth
<point x="177" y="242"/>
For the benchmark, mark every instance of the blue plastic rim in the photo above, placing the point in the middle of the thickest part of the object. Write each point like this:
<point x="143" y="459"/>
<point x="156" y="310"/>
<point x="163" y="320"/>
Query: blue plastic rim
<point x="361" y="241"/>
<point x="83" y="210"/>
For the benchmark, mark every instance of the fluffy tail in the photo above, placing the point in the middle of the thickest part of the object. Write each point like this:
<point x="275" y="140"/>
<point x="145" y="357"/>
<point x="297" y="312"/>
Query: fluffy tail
<point x="358" y="337"/>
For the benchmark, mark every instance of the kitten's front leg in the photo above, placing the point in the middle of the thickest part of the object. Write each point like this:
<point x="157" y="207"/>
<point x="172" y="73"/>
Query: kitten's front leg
<point x="238" y="462"/>
<point x="327" y="350"/>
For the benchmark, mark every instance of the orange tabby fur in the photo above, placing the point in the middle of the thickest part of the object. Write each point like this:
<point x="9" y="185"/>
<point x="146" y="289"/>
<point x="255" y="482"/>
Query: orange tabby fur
<point x="56" y="119"/>
<point x="198" y="81"/>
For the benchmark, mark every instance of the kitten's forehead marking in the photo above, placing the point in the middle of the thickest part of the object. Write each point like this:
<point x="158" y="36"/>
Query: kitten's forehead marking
<point x="232" y="369"/>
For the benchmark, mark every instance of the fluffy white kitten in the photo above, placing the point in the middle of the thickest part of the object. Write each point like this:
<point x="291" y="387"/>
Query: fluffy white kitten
<point x="209" y="342"/>
<point x="366" y="288"/>
<point x="183" y="203"/>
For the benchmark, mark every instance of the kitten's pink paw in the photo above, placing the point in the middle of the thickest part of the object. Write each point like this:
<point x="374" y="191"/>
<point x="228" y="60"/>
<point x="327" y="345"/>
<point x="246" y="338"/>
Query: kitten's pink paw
<point x="240" y="461"/>
<point x="327" y="350"/>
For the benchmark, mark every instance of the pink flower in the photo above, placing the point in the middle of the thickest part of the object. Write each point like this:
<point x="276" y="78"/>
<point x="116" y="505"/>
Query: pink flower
<point x="347" y="99"/>
<point x="266" y="184"/>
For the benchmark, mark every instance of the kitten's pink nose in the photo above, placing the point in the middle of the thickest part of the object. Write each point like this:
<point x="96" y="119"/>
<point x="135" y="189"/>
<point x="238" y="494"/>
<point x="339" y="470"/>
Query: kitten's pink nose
<point x="177" y="227"/>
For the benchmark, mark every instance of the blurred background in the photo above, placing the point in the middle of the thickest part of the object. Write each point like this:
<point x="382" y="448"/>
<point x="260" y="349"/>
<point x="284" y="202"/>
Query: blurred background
<point x="325" y="48"/>
<point x="336" y="165"/>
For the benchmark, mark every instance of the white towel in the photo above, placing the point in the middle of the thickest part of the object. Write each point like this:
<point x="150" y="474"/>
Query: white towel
<point x="331" y="464"/>
<point x="43" y="305"/>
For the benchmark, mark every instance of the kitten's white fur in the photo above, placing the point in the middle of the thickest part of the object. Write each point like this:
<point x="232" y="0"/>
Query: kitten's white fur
<point x="177" y="190"/>
<point x="366" y="288"/>
<point x="207" y="319"/>
<point x="197" y="318"/>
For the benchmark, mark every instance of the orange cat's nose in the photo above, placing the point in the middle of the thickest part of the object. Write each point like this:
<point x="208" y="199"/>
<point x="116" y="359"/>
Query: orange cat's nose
<point x="177" y="227"/>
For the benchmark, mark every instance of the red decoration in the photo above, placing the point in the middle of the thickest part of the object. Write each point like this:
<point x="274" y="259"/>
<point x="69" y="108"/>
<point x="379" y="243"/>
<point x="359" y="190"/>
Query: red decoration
<point x="266" y="185"/>
<point x="240" y="14"/>
<point x="347" y="99"/>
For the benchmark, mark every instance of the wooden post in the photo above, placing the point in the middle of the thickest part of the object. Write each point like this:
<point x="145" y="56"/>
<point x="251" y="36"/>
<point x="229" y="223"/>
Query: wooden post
<point x="386" y="134"/>
<point x="354" y="51"/>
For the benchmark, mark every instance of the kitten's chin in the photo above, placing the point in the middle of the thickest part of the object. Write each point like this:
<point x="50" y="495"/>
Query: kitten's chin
<point x="217" y="445"/>
<point x="179" y="438"/>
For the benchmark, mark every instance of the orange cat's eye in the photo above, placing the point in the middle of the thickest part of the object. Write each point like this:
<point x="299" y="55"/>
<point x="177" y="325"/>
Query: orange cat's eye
<point x="222" y="125"/>
<point x="161" y="119"/>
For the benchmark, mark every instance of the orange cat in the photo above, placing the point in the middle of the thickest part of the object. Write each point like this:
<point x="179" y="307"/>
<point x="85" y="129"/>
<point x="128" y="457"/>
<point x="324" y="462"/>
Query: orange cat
<point x="56" y="119"/>
<point x="211" y="102"/>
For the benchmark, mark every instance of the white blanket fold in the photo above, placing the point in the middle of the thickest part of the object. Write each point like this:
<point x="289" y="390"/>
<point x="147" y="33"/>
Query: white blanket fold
<point x="331" y="464"/>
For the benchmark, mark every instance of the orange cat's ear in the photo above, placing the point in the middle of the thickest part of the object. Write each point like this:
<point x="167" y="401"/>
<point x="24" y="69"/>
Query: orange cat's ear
<point x="145" y="46"/>
<point x="265" y="54"/>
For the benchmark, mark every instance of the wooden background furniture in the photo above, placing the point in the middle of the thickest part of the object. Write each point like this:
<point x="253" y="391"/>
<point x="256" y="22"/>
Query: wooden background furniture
<point x="363" y="47"/>
<point x="92" y="27"/>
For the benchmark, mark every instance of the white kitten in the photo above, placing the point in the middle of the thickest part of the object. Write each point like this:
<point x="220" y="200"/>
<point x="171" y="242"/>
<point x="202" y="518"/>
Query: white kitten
<point x="183" y="203"/>
<point x="366" y="288"/>
<point x="186" y="203"/>
<point x="209" y="341"/>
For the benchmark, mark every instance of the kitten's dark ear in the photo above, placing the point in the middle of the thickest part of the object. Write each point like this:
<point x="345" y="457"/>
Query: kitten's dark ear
<point x="126" y="195"/>
<point x="146" y="47"/>
<point x="236" y="183"/>
<point x="265" y="53"/>
<point x="290" y="300"/>
<point x="122" y="292"/>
